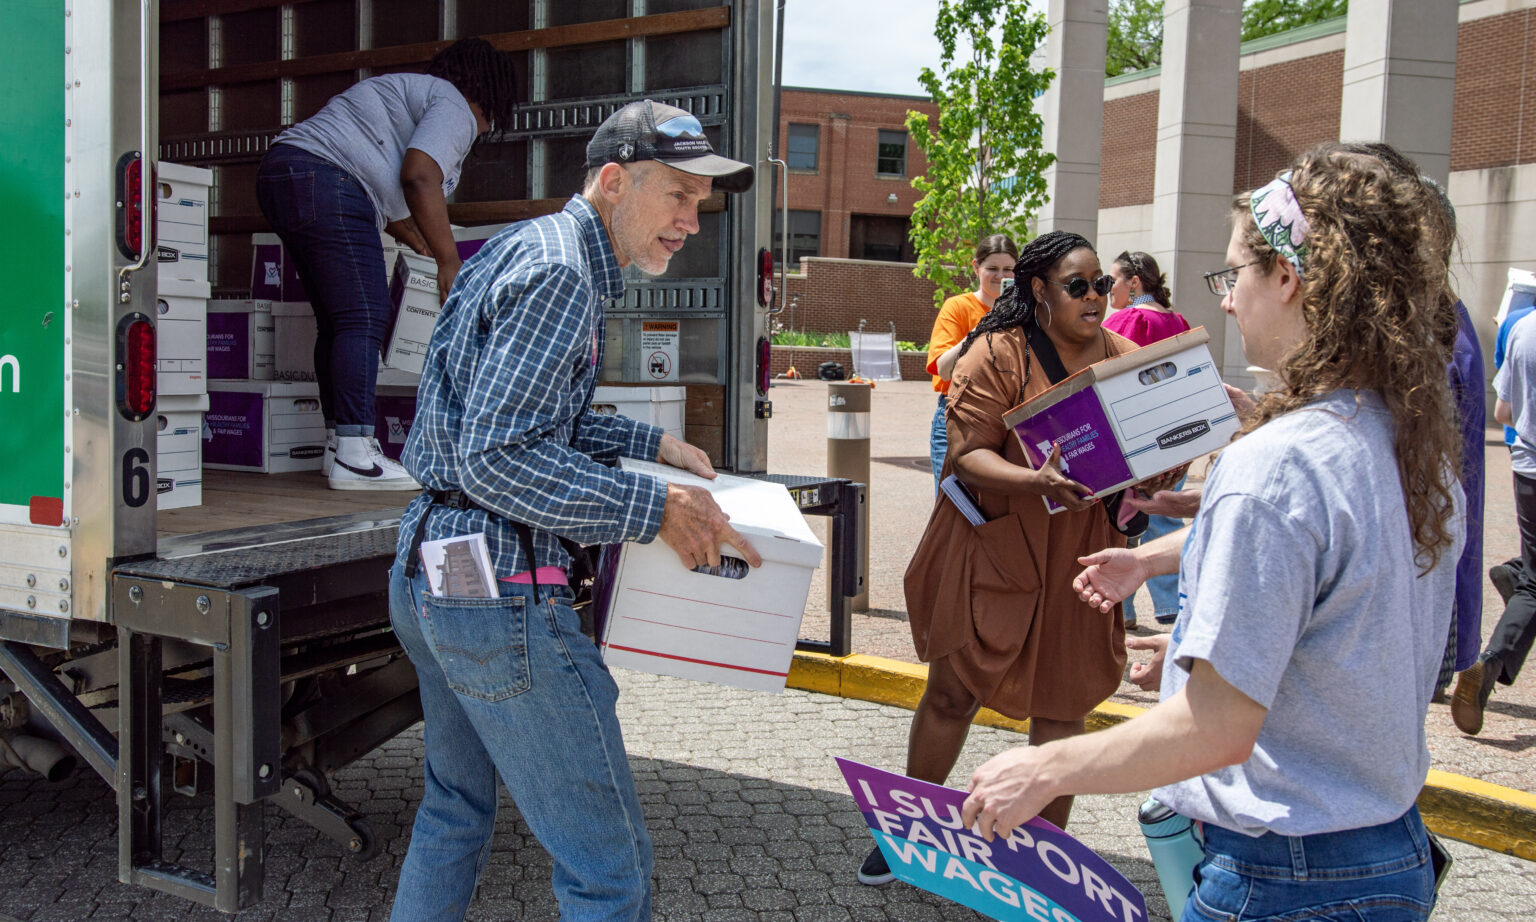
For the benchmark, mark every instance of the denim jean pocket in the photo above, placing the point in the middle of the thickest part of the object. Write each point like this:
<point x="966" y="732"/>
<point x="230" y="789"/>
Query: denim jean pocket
<point x="481" y="644"/>
<point x="287" y="198"/>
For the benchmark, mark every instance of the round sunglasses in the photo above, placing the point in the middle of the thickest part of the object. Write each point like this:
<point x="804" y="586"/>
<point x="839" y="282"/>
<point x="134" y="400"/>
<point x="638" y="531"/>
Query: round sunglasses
<point x="1077" y="288"/>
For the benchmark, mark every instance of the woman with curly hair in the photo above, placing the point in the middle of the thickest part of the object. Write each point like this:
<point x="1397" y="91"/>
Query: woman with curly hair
<point x="384" y="155"/>
<point x="991" y="606"/>
<point x="1317" y="575"/>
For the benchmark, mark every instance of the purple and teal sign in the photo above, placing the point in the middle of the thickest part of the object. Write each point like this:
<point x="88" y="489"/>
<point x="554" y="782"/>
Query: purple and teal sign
<point x="1090" y="454"/>
<point x="1037" y="874"/>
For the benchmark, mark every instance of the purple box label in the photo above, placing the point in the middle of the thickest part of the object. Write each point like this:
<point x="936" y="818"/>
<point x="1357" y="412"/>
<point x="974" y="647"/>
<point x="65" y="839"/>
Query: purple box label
<point x="234" y="427"/>
<point x="1038" y="872"/>
<point x="392" y="423"/>
<point x="1089" y="453"/>
<point x="229" y="345"/>
<point x="274" y="277"/>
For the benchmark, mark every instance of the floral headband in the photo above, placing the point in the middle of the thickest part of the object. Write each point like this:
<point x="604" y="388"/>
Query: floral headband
<point x="1278" y="216"/>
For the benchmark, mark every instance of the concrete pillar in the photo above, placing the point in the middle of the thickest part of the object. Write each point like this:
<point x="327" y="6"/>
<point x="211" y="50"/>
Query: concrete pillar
<point x="1400" y="78"/>
<point x="1196" y="146"/>
<point x="1073" y="109"/>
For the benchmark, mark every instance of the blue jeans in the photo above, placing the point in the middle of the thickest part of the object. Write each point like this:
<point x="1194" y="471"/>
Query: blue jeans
<point x="329" y="226"/>
<point x="1163" y="589"/>
<point x="514" y="688"/>
<point x="938" y="443"/>
<point x="1377" y="874"/>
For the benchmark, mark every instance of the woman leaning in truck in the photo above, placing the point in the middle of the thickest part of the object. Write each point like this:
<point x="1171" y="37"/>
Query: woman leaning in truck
<point x="992" y="608"/>
<point x="382" y="155"/>
<point x="993" y="262"/>
<point x="1318" y="574"/>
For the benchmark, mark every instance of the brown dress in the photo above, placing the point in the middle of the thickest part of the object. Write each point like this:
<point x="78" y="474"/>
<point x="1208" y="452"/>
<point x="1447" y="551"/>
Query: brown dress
<point x="996" y="600"/>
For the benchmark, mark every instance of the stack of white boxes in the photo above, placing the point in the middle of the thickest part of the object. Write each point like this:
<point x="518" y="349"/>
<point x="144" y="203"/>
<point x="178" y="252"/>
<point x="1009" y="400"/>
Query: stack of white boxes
<point x="181" y="234"/>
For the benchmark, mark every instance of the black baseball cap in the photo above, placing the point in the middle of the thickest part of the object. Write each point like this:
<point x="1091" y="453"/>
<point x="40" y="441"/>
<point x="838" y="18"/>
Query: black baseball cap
<point x="647" y="130"/>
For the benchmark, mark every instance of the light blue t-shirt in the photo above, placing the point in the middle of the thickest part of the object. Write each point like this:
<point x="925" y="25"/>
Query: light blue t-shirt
<point x="367" y="130"/>
<point x="1301" y="591"/>
<point x="1513" y="383"/>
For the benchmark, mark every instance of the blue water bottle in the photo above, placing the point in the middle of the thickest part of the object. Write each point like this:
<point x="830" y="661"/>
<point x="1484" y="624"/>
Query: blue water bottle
<point x="1175" y="848"/>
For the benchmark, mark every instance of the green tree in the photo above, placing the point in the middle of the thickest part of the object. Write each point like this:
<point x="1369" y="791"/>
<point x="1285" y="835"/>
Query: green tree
<point x="1136" y="27"/>
<point x="1135" y="36"/>
<point x="985" y="166"/>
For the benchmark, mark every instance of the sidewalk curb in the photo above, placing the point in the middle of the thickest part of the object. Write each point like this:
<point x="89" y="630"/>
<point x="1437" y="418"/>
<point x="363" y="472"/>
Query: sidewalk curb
<point x="1486" y="815"/>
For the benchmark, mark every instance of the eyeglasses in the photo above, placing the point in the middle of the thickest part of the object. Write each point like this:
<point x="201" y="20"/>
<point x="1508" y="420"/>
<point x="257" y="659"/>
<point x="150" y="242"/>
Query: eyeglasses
<point x="1078" y="288"/>
<point x="1222" y="281"/>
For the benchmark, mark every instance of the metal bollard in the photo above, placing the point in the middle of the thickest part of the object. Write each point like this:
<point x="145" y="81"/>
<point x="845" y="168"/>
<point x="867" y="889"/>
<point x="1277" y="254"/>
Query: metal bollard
<point x="848" y="456"/>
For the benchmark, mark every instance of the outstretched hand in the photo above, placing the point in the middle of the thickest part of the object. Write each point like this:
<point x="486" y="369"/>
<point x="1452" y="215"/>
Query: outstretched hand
<point x="1176" y="504"/>
<point x="1006" y="792"/>
<point x="1113" y="575"/>
<point x="678" y="453"/>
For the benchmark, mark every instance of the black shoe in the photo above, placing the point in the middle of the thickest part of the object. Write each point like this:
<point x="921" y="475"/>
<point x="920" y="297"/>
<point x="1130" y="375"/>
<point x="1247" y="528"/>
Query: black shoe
<point x="874" y="871"/>
<point x="1473" y="688"/>
<point x="1503" y="578"/>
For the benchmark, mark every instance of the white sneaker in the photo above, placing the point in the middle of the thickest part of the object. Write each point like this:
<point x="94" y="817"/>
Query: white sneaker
<point x="328" y="460"/>
<point x="362" y="465"/>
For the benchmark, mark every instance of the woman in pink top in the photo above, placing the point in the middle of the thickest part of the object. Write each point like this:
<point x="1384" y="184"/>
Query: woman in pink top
<point x="1143" y="315"/>
<point x="1139" y="301"/>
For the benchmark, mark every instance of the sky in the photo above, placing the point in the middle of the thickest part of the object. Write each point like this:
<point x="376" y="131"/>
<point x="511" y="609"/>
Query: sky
<point x="877" y="46"/>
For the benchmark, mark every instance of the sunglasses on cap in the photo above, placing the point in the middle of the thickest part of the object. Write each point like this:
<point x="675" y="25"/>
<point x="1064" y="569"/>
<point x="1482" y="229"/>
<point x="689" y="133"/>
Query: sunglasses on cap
<point x="1078" y="288"/>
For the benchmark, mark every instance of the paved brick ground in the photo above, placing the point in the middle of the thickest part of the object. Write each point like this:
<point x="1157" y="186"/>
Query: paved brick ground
<point x="901" y="498"/>
<point x="750" y="818"/>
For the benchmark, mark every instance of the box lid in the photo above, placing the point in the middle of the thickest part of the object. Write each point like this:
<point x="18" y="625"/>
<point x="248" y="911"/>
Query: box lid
<point x="267" y="388"/>
<point x="235" y="306"/>
<point x="182" y="288"/>
<point x="1127" y="361"/>
<point x="180" y="172"/>
<point x="181" y="403"/>
<point x="762" y="511"/>
<point x="611" y="394"/>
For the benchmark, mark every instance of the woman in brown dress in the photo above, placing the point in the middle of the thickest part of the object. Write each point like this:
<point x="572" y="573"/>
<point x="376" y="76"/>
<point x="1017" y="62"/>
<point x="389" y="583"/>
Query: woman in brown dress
<point x="992" y="608"/>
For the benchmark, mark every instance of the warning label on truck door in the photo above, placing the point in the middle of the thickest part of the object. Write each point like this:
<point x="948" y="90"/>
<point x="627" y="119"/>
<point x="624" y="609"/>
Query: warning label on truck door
<point x="658" y="350"/>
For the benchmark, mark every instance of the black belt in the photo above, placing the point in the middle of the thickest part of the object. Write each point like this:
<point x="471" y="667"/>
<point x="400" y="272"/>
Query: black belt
<point x="581" y="562"/>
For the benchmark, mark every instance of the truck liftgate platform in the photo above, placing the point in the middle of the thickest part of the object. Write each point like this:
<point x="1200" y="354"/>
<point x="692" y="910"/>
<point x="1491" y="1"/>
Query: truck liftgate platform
<point x="250" y="663"/>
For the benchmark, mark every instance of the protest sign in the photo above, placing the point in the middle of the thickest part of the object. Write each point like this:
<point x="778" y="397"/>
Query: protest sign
<point x="1037" y="874"/>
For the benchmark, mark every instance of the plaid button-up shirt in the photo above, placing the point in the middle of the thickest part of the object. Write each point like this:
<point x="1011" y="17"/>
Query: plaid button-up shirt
<point x="504" y="410"/>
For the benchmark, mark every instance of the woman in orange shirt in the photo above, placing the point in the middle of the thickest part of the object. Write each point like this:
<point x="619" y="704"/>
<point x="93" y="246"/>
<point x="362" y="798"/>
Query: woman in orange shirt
<point x="995" y="256"/>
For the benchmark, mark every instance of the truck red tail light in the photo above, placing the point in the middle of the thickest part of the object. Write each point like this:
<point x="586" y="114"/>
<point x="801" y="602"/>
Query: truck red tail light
<point x="134" y="215"/>
<point x="764" y="365"/>
<point x="135" y="366"/>
<point x="764" y="277"/>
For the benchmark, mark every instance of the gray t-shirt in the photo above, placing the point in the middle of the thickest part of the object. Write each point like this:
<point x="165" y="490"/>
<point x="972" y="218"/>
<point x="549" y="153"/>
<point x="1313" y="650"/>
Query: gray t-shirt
<point x="367" y="130"/>
<point x="1513" y="383"/>
<point x="1301" y="591"/>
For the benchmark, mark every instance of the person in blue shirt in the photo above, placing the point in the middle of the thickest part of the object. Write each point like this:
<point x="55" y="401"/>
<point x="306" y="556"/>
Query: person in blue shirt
<point x="505" y="443"/>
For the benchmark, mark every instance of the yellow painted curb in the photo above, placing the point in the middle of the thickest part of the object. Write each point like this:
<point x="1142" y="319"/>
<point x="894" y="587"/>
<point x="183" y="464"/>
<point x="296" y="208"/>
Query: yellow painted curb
<point x="1487" y="815"/>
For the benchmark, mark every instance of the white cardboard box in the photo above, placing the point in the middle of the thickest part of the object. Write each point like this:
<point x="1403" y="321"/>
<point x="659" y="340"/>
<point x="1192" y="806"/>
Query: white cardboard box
<point x="659" y="406"/>
<point x="179" y="451"/>
<point x="1131" y="417"/>
<point x="293" y="341"/>
<point x="659" y="617"/>
<point x="413" y="293"/>
<point x="270" y="427"/>
<point x="181" y="337"/>
<point x="240" y="340"/>
<point x="181" y="221"/>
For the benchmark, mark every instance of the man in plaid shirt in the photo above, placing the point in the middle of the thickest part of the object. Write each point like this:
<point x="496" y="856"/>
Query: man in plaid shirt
<point x="504" y="441"/>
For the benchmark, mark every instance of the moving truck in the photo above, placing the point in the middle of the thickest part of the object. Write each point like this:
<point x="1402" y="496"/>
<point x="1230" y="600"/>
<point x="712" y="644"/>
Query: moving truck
<point x="241" y="648"/>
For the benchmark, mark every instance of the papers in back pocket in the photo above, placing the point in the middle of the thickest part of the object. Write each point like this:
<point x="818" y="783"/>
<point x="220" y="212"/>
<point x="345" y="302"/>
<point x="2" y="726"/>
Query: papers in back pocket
<point x="459" y="567"/>
<point x="960" y="495"/>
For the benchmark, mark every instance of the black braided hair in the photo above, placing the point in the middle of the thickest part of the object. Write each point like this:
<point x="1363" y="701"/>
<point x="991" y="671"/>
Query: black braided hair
<point x="1016" y="306"/>
<point x="483" y="75"/>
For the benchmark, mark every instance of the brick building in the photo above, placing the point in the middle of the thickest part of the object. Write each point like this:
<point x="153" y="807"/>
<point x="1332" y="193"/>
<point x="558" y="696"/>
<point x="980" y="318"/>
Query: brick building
<point x="851" y="165"/>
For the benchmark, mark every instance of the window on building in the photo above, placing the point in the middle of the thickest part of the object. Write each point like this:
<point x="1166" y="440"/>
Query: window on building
<point x="891" y="154"/>
<point x="804" y="146"/>
<point x="882" y="237"/>
<point x="804" y="235"/>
